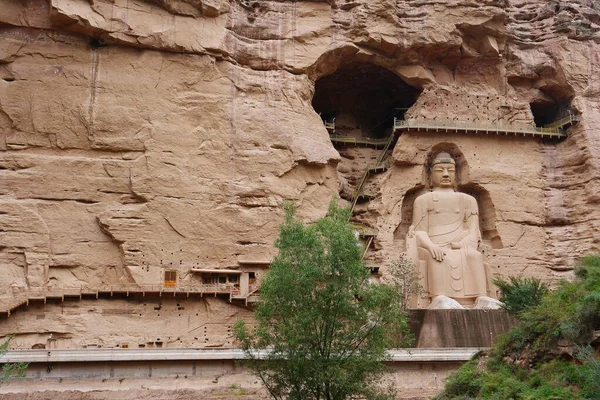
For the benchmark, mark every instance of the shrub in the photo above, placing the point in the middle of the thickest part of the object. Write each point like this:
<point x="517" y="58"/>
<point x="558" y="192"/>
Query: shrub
<point x="519" y="294"/>
<point x="11" y="370"/>
<point x="524" y="363"/>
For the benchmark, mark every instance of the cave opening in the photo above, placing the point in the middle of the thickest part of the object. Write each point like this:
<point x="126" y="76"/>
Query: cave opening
<point x="363" y="98"/>
<point x="547" y="111"/>
<point x="544" y="113"/>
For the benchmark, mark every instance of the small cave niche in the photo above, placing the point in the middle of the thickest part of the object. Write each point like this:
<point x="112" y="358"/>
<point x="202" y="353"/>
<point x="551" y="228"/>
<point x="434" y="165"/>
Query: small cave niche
<point x="96" y="43"/>
<point x="363" y="98"/>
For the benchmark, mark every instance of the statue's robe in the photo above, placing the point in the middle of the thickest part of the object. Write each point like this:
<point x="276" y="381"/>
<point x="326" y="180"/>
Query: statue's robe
<point x="455" y="219"/>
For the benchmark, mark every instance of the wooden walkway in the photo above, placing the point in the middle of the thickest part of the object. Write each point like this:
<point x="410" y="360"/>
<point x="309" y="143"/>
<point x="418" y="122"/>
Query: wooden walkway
<point x="358" y="141"/>
<point x="62" y="293"/>
<point x="555" y="130"/>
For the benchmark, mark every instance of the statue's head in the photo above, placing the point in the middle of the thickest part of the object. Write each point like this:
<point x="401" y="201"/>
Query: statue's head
<point x="443" y="171"/>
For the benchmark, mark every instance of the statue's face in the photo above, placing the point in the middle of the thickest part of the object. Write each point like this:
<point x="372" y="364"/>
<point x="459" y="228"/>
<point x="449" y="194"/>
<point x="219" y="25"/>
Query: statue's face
<point x="443" y="175"/>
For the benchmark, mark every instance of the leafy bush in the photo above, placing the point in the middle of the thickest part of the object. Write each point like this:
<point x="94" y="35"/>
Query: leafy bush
<point x="519" y="294"/>
<point x="465" y="382"/>
<point x="10" y="370"/>
<point x="524" y="364"/>
<point x="588" y="375"/>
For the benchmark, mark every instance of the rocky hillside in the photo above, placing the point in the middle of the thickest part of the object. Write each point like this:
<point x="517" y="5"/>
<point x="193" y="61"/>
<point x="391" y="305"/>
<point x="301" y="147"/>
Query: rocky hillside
<point x="138" y="135"/>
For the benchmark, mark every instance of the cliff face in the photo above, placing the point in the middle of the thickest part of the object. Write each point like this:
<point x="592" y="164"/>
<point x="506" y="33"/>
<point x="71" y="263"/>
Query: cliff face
<point x="138" y="135"/>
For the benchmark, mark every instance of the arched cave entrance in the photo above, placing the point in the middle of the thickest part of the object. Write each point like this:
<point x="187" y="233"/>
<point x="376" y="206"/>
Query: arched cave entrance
<point x="363" y="98"/>
<point x="546" y="112"/>
<point x="552" y="103"/>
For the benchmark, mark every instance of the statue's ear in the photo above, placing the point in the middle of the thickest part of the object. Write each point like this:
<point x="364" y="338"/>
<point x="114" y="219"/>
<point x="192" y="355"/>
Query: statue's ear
<point x="428" y="176"/>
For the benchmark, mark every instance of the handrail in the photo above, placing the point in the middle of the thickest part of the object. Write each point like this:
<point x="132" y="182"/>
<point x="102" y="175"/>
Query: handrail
<point x="554" y="130"/>
<point x="329" y="125"/>
<point x="363" y="230"/>
<point x="385" y="149"/>
<point x="358" y="140"/>
<point x="358" y="190"/>
<point x="363" y="179"/>
<point x="16" y="302"/>
<point x="381" y="165"/>
<point x="367" y="246"/>
<point x="570" y="119"/>
<point x="62" y="291"/>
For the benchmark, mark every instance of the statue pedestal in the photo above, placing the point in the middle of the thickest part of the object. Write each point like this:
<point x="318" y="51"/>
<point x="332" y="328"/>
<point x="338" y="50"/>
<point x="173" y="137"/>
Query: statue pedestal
<point x="458" y="328"/>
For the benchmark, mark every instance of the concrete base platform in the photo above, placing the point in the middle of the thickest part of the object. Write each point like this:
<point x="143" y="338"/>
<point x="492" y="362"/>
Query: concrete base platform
<point x="458" y="328"/>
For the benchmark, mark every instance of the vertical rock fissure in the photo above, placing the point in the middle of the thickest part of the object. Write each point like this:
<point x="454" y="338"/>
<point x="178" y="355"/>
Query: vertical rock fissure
<point x="93" y="88"/>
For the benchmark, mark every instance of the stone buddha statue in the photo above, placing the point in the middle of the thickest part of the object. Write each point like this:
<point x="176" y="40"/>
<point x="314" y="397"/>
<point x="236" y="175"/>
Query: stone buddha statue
<point x="445" y="234"/>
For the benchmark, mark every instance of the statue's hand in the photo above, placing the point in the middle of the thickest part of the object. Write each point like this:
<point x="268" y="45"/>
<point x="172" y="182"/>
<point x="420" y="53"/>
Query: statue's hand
<point x="437" y="253"/>
<point x="455" y="245"/>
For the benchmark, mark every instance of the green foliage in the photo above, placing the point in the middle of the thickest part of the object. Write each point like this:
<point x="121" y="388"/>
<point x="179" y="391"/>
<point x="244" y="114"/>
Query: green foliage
<point x="523" y="364"/>
<point x="519" y="294"/>
<point x="588" y="375"/>
<point x="570" y="313"/>
<point x="405" y="279"/>
<point x="10" y="370"/>
<point x="465" y="382"/>
<point x="326" y="327"/>
<point x="501" y="381"/>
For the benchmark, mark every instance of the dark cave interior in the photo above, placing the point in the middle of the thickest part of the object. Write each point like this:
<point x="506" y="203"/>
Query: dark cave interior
<point x="364" y="98"/>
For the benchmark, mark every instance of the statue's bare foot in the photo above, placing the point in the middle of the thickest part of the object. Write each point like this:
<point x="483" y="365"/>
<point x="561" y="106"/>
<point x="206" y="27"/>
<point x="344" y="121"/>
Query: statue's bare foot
<point x="444" y="303"/>
<point x="489" y="303"/>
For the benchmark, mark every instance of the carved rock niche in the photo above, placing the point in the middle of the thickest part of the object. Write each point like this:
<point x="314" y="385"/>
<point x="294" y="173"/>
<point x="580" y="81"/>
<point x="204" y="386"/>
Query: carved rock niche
<point x="487" y="212"/>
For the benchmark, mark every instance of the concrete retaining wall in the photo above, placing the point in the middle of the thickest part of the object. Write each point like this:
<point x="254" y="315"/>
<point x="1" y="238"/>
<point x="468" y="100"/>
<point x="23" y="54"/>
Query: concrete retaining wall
<point x="458" y="328"/>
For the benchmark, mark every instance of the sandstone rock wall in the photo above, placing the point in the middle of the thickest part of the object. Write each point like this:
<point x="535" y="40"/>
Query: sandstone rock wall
<point x="144" y="322"/>
<point x="140" y="135"/>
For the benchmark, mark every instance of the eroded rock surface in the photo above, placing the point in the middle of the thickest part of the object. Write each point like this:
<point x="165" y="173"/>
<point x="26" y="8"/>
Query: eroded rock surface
<point x="140" y="135"/>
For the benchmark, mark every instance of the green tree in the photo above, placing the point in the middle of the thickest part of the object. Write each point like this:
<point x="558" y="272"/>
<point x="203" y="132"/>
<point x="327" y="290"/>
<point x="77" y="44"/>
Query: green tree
<point x="326" y="327"/>
<point x="405" y="279"/>
<point x="10" y="370"/>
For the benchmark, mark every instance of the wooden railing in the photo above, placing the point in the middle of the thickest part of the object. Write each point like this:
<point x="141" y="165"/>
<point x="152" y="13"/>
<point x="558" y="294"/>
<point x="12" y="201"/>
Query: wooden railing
<point x="56" y="292"/>
<point x="563" y="123"/>
<point x="358" y="190"/>
<point x="554" y="130"/>
<point x="330" y="126"/>
<point x="364" y="231"/>
<point x="14" y="303"/>
<point x="366" y="141"/>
